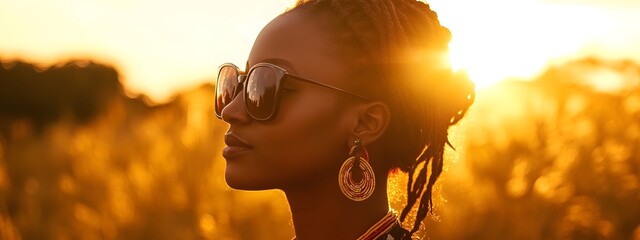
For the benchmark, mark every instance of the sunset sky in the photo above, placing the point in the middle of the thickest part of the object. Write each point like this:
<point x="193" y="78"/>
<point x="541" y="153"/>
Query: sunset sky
<point x="161" y="46"/>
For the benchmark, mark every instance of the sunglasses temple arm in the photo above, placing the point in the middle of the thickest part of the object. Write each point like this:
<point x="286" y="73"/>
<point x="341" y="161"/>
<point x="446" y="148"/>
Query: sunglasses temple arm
<point x="329" y="86"/>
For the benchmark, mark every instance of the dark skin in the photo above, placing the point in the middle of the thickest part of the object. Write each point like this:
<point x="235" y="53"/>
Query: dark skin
<point x="301" y="150"/>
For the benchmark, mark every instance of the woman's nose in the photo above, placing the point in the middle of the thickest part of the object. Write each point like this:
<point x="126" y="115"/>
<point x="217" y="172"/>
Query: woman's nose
<point x="235" y="112"/>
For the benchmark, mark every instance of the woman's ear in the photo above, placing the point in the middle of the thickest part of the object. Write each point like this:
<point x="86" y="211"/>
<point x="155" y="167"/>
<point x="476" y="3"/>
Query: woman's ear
<point x="372" y="121"/>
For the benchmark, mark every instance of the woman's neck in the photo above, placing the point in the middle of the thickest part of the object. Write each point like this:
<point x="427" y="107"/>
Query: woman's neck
<point x="322" y="212"/>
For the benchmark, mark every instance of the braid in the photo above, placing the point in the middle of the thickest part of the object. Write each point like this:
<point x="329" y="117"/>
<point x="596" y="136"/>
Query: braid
<point x="382" y="38"/>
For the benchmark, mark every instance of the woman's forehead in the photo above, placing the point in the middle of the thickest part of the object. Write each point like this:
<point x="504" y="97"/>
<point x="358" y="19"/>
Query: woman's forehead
<point x="298" y="38"/>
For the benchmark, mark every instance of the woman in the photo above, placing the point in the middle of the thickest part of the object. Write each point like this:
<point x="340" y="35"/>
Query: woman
<point x="336" y="95"/>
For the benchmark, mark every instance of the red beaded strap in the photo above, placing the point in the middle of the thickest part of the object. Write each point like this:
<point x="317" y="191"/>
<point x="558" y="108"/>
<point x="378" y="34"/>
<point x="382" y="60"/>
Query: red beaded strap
<point x="382" y="227"/>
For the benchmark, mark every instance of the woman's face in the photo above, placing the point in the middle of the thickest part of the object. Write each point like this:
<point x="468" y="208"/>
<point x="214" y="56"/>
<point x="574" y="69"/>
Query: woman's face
<point x="307" y="141"/>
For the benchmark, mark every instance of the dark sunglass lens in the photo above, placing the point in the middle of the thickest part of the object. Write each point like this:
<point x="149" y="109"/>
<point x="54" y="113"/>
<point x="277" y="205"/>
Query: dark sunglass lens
<point x="261" y="91"/>
<point x="225" y="86"/>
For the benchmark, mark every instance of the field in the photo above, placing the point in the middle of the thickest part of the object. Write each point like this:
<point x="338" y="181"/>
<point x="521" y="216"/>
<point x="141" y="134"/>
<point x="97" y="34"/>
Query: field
<point x="556" y="157"/>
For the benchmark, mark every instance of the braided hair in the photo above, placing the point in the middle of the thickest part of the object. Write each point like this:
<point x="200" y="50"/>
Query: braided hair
<point x="398" y="51"/>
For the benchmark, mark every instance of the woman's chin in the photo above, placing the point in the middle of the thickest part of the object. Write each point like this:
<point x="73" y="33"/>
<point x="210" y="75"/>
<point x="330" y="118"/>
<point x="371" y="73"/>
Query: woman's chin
<point x="236" y="183"/>
<point x="244" y="181"/>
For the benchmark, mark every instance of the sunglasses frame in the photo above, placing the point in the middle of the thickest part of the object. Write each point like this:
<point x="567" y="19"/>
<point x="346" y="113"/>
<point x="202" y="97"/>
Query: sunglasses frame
<point x="281" y="74"/>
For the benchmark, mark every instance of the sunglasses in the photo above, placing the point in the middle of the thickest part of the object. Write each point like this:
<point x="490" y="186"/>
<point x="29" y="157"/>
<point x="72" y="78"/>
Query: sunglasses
<point x="262" y="89"/>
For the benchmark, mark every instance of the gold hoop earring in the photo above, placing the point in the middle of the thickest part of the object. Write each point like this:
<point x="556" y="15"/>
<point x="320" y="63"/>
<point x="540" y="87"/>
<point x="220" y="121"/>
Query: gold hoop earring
<point x="356" y="177"/>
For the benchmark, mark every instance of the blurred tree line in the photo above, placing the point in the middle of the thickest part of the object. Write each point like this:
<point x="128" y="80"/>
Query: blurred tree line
<point x="78" y="89"/>
<point x="553" y="158"/>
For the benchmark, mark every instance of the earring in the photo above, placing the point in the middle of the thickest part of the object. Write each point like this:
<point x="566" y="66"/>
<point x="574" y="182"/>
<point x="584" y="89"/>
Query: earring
<point x="356" y="178"/>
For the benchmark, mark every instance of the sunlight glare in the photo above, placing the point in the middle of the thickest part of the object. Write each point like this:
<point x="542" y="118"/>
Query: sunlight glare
<point x="492" y="44"/>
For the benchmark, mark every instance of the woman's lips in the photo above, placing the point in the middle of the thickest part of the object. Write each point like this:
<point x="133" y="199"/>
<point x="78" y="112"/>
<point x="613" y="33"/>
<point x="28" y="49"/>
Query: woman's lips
<point x="235" y="146"/>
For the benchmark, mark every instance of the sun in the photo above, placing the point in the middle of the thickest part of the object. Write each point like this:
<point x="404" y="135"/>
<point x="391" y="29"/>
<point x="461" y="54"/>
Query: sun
<point x="492" y="45"/>
<point x="487" y="67"/>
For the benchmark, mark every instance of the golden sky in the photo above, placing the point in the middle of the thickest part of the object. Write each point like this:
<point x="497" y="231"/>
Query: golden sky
<point x="161" y="46"/>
